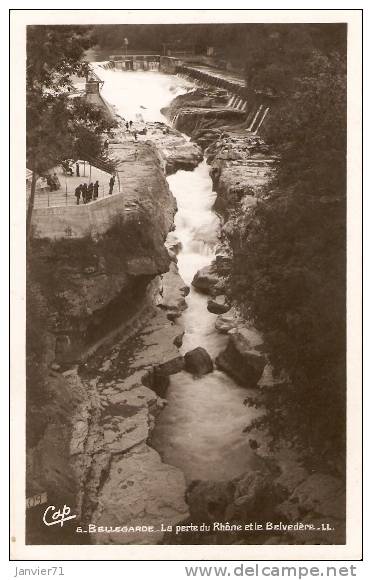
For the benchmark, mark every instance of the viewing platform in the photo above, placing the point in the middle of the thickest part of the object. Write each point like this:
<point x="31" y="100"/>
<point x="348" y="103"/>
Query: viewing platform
<point x="139" y="173"/>
<point x="65" y="195"/>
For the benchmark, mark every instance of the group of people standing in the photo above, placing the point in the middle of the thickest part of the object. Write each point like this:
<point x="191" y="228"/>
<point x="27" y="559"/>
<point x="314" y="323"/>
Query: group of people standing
<point x="87" y="192"/>
<point x="53" y="182"/>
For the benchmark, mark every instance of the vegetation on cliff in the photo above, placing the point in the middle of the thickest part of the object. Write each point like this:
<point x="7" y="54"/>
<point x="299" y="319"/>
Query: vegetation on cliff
<point x="290" y="258"/>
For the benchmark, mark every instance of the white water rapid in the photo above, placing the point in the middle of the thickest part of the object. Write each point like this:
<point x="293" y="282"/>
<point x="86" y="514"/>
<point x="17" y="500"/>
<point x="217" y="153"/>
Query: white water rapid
<point x="140" y="93"/>
<point x="200" y="430"/>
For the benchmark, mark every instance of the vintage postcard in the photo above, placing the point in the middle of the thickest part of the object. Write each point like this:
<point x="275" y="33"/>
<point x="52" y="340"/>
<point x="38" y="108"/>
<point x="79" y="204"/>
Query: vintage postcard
<point x="186" y="284"/>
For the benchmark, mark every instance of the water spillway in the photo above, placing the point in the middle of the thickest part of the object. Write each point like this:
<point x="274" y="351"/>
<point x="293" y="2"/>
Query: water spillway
<point x="201" y="429"/>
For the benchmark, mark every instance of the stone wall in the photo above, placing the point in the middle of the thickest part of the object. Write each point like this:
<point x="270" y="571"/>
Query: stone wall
<point x="96" y="99"/>
<point x="77" y="221"/>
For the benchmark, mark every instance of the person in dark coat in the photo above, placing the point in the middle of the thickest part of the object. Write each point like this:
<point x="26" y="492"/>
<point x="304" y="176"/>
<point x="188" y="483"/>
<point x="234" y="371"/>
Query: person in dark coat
<point x="56" y="182"/>
<point x="90" y="191"/>
<point x="111" y="184"/>
<point x="130" y="124"/>
<point x="50" y="182"/>
<point x="85" y="193"/>
<point x="95" y="190"/>
<point x="77" y="169"/>
<point x="78" y="194"/>
<point x="127" y="125"/>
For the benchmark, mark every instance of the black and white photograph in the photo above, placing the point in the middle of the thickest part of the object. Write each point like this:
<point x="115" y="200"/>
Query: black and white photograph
<point x="183" y="222"/>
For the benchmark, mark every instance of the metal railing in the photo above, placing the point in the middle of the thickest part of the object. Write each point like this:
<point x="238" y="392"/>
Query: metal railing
<point x="59" y="198"/>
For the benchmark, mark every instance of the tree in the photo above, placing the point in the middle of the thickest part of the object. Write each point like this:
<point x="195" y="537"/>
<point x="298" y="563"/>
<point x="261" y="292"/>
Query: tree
<point x="290" y="275"/>
<point x="55" y="121"/>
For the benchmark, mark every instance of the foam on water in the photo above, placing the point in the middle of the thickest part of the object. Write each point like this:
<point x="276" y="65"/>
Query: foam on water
<point x="140" y="93"/>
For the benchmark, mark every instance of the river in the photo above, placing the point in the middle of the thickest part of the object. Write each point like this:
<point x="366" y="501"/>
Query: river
<point x="200" y="430"/>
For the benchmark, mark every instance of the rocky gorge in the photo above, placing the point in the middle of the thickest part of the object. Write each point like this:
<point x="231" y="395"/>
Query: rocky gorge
<point x="107" y="379"/>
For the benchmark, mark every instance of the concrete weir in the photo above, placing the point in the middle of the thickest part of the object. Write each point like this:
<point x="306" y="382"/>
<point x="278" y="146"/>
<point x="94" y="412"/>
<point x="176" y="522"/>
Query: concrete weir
<point x="256" y="106"/>
<point x="135" y="62"/>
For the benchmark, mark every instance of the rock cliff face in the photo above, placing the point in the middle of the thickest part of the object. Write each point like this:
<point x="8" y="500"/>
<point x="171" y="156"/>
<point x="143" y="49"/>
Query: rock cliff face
<point x="178" y="153"/>
<point x="122" y="479"/>
<point x="291" y="505"/>
<point x="201" y="109"/>
<point x="94" y="455"/>
<point x="91" y="406"/>
<point x="241" y="359"/>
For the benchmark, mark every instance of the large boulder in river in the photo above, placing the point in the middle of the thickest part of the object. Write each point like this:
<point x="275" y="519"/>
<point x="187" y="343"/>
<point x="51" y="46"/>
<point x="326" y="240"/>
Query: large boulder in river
<point x="198" y="362"/>
<point x="218" y="305"/>
<point x="171" y="366"/>
<point x="241" y="361"/>
<point x="158" y="379"/>
<point x="226" y="322"/>
<point x="206" y="280"/>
